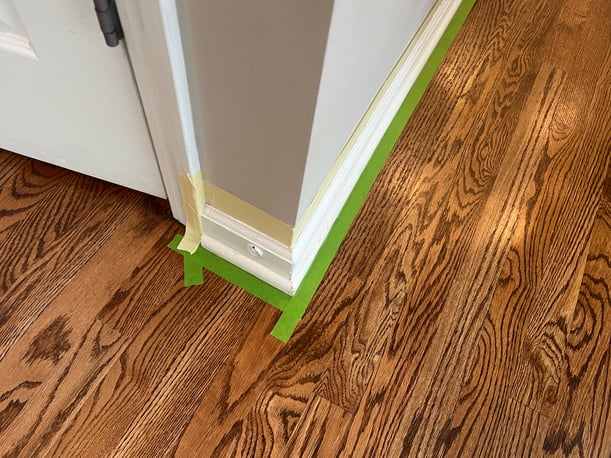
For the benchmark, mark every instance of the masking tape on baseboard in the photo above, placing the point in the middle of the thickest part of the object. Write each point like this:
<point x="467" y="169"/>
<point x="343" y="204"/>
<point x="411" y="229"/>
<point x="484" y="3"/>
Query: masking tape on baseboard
<point x="192" y="190"/>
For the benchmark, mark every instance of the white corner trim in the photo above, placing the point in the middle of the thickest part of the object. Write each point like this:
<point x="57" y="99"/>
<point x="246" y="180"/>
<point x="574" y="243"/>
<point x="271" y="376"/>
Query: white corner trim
<point x="367" y="137"/>
<point x="13" y="34"/>
<point x="285" y="267"/>
<point x="17" y="44"/>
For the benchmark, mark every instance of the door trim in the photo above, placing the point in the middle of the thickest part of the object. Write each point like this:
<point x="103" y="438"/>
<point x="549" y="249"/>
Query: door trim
<point x="152" y="36"/>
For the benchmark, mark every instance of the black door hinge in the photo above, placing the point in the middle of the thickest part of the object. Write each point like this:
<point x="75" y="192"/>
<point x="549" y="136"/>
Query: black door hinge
<point x="108" y="17"/>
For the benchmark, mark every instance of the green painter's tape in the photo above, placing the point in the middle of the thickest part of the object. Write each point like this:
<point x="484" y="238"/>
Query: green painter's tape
<point x="293" y="308"/>
<point x="203" y="258"/>
<point x="194" y="269"/>
<point x="193" y="263"/>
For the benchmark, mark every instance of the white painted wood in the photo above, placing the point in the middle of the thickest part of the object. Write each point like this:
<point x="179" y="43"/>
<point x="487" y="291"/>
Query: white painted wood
<point x="67" y="98"/>
<point x="152" y="34"/>
<point x="362" y="146"/>
<point x="248" y="249"/>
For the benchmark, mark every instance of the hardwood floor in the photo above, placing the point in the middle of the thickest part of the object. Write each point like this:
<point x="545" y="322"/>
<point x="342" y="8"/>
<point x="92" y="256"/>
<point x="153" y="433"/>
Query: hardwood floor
<point x="467" y="313"/>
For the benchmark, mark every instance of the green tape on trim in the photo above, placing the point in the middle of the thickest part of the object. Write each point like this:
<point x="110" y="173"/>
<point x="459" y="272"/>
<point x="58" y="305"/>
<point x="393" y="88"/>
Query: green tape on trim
<point x="293" y="308"/>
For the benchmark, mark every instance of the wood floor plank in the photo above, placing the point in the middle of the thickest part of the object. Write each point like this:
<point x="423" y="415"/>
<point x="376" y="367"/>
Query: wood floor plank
<point x="542" y="273"/>
<point x="580" y="418"/>
<point x="48" y="400"/>
<point x="363" y="333"/>
<point x="52" y="368"/>
<point x="179" y="338"/>
<point x="566" y="218"/>
<point x="514" y="430"/>
<point x="537" y="379"/>
<point x="36" y="274"/>
<point x="511" y="429"/>
<point x="231" y="394"/>
<point x="311" y="437"/>
<point x="414" y="407"/>
<point x="172" y="405"/>
<point x="255" y="402"/>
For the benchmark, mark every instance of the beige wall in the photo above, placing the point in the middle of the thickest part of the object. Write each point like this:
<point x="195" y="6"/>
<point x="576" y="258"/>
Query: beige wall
<point x="277" y="88"/>
<point x="254" y="69"/>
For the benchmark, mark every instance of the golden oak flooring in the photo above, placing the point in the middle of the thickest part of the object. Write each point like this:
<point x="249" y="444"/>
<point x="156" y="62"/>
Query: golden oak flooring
<point x="467" y="313"/>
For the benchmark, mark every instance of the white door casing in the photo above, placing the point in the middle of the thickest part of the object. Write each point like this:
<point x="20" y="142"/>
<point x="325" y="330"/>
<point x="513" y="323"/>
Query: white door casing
<point x="68" y="99"/>
<point x="152" y="36"/>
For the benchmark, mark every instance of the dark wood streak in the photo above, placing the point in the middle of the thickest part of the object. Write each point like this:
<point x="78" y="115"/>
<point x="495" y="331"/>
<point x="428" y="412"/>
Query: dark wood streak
<point x="51" y="343"/>
<point x="9" y="413"/>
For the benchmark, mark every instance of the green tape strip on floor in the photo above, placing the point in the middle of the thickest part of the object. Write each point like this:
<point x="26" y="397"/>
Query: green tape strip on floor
<point x="293" y="308"/>
<point x="202" y="258"/>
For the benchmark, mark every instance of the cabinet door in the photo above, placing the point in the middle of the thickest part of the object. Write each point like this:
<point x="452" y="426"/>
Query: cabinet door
<point x="68" y="99"/>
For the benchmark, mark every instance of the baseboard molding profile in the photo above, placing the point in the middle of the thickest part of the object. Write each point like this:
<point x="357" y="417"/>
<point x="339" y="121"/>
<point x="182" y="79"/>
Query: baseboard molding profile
<point x="248" y="249"/>
<point x="282" y="266"/>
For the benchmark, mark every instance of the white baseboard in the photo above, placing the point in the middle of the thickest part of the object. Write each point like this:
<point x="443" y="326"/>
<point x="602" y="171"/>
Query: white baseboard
<point x="285" y="267"/>
<point x="248" y="249"/>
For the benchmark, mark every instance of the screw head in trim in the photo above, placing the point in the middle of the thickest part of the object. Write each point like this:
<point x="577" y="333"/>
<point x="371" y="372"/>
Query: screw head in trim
<point x="254" y="250"/>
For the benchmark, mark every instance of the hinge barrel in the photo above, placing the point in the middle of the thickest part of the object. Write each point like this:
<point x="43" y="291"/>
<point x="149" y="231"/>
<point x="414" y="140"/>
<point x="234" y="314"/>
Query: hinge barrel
<point x="108" y="18"/>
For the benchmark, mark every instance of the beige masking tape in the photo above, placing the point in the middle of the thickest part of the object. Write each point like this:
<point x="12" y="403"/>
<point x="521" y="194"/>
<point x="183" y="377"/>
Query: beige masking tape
<point x="192" y="190"/>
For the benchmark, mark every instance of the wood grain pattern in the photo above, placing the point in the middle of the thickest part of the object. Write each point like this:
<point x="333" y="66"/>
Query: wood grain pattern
<point x="52" y="367"/>
<point x="312" y="437"/>
<point x="33" y="236"/>
<point x="534" y="301"/>
<point x="51" y="255"/>
<point x="163" y="318"/>
<point x="10" y="165"/>
<point x="22" y="192"/>
<point x="255" y="402"/>
<point x="466" y="313"/>
<point x="579" y="418"/>
<point x="465" y="298"/>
